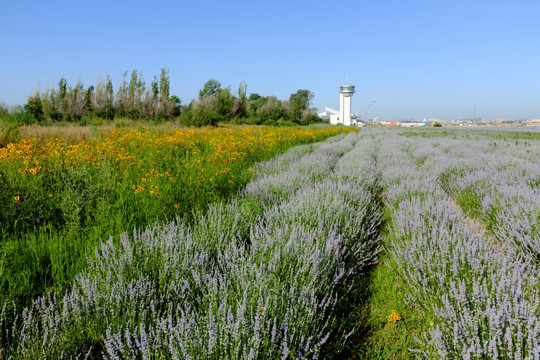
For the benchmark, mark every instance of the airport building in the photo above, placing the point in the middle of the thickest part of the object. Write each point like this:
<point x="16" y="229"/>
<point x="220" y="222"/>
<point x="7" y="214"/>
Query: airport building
<point x="343" y="116"/>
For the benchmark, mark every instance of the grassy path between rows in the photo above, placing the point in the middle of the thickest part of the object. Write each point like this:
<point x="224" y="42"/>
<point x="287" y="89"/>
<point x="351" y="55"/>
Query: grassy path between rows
<point x="378" y="337"/>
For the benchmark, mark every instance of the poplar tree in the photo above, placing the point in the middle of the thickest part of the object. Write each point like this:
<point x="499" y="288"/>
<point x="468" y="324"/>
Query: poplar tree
<point x="109" y="109"/>
<point x="164" y="87"/>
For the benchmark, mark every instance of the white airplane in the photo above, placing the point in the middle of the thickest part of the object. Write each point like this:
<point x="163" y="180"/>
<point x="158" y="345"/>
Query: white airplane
<point x="411" y="124"/>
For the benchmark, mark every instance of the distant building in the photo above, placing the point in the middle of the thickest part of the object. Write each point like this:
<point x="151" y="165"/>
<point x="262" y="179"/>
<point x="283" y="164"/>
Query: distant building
<point x="534" y="122"/>
<point x="328" y="112"/>
<point x="500" y="120"/>
<point x="343" y="116"/>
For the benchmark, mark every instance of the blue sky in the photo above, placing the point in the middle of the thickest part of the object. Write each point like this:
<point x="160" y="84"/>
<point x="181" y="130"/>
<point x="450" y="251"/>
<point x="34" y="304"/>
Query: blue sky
<point x="408" y="59"/>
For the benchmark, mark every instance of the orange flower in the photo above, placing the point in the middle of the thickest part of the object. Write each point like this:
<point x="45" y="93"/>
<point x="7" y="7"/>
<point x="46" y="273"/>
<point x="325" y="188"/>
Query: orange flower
<point x="17" y="198"/>
<point x="394" y="316"/>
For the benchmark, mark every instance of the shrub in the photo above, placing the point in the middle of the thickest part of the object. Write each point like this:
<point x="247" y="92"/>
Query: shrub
<point x="9" y="132"/>
<point x="34" y="107"/>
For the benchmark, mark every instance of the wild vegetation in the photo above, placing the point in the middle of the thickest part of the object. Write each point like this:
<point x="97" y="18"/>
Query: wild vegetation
<point x="379" y="244"/>
<point x="134" y="100"/>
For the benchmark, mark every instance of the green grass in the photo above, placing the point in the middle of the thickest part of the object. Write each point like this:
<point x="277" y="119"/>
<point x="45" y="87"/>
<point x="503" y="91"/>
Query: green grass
<point x="383" y="339"/>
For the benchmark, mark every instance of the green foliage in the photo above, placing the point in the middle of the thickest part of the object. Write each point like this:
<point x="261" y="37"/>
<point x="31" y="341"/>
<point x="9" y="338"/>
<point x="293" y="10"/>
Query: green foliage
<point x="135" y="101"/>
<point x="3" y="112"/>
<point x="200" y="116"/>
<point x="211" y="88"/>
<point x="379" y="338"/>
<point x="271" y="111"/>
<point x="224" y="103"/>
<point x="176" y="106"/>
<point x="240" y="104"/>
<point x="34" y="107"/>
<point x="311" y="119"/>
<point x="9" y="132"/>
<point x="62" y="89"/>
<point x="88" y="94"/>
<point x="300" y="102"/>
<point x="20" y="117"/>
<point x="255" y="102"/>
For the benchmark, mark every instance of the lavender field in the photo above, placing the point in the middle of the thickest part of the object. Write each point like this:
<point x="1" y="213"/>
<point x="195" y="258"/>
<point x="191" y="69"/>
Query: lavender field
<point x="287" y="268"/>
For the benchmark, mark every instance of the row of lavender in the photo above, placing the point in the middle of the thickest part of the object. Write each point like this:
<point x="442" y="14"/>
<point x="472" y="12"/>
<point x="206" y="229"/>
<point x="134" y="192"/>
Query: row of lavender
<point x="501" y="185"/>
<point x="265" y="275"/>
<point x="481" y="293"/>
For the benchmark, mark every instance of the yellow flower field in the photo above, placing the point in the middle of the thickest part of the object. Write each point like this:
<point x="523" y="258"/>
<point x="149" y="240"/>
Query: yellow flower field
<point x="148" y="163"/>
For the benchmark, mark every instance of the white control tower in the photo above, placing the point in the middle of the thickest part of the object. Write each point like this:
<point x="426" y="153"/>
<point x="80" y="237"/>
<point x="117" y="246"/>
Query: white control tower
<point x="345" y="94"/>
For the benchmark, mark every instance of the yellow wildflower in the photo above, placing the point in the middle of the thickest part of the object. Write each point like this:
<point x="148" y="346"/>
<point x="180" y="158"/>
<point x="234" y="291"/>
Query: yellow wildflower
<point x="394" y="316"/>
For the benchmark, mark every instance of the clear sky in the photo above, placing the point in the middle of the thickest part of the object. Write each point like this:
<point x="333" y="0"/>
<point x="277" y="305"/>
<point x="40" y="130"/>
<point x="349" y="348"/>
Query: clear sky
<point x="408" y="59"/>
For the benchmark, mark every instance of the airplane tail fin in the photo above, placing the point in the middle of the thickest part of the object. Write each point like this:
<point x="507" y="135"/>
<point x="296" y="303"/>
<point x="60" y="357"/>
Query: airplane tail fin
<point x="425" y="121"/>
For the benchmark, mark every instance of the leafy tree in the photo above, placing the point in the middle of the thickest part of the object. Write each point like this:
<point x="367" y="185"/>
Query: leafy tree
<point x="136" y="90"/>
<point x="211" y="88"/>
<point x="239" y="108"/>
<point x="312" y="119"/>
<point x="302" y="98"/>
<point x="200" y="116"/>
<point x="122" y="96"/>
<point x="271" y="111"/>
<point x="133" y="88"/>
<point x="177" y="106"/>
<point x="166" y="105"/>
<point x="109" y="107"/>
<point x="3" y="110"/>
<point x="50" y="104"/>
<point x="34" y="107"/>
<point x="73" y="106"/>
<point x="255" y="102"/>
<point x="224" y="103"/>
<point x="60" y="99"/>
<point x="155" y="87"/>
<point x="299" y="102"/>
<point x="88" y="95"/>
<point x="62" y="89"/>
<point x="164" y="85"/>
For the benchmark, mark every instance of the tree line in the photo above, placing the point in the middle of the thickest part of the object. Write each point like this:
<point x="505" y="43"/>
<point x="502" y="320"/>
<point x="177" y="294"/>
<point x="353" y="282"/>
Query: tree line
<point x="135" y="100"/>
